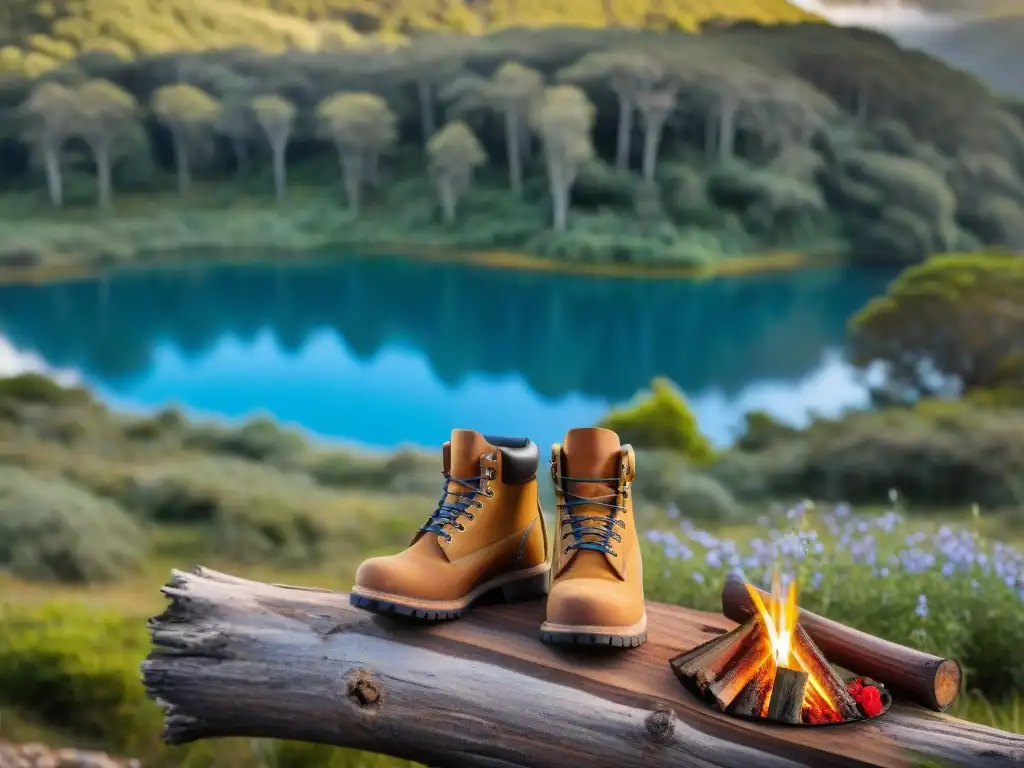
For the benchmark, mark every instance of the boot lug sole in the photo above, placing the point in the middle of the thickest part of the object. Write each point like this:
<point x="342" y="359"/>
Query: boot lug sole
<point x="615" y="637"/>
<point x="532" y="584"/>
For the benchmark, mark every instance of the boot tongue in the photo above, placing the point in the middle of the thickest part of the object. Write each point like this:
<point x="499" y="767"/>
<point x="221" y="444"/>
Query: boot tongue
<point x="466" y="448"/>
<point x="591" y="452"/>
<point x="461" y="458"/>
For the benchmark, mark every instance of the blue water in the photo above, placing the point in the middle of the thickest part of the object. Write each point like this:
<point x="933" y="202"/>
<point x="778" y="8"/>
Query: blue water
<point x="385" y="351"/>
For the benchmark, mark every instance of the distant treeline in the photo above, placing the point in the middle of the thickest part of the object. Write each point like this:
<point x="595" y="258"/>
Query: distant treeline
<point x="783" y="135"/>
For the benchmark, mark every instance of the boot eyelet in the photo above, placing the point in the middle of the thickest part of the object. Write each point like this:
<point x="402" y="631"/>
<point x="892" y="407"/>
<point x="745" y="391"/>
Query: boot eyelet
<point x="460" y="527"/>
<point x="470" y="516"/>
<point x="448" y="538"/>
<point x="489" y="493"/>
<point x="478" y="505"/>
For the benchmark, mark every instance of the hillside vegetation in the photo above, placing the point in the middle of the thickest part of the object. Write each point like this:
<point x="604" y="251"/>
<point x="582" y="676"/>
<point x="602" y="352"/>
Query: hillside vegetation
<point x="634" y="147"/>
<point x="37" y="35"/>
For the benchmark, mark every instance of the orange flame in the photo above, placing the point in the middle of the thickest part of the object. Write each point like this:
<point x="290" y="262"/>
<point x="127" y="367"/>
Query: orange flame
<point x="779" y="618"/>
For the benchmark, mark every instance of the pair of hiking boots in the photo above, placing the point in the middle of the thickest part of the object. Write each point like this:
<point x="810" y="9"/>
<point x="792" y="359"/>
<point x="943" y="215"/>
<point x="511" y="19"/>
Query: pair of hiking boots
<point x="488" y="535"/>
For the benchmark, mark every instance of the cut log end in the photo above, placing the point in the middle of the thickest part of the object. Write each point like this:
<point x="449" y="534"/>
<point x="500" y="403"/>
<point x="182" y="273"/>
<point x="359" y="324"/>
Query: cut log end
<point x="948" y="682"/>
<point x="787" y="700"/>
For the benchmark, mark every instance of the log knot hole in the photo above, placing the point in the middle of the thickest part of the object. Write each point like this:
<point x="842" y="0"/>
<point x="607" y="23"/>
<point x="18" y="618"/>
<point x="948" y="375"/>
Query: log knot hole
<point x="661" y="725"/>
<point x="364" y="691"/>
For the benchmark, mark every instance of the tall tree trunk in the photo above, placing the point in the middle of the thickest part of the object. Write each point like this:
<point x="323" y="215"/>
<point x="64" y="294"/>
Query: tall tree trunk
<point x="352" y="173"/>
<point x="654" y="125"/>
<point x="627" y="108"/>
<point x="371" y="167"/>
<point x="181" y="161"/>
<point x="279" y="149"/>
<point x="559" y="193"/>
<point x="449" y="198"/>
<point x="711" y="132"/>
<point x="863" y="93"/>
<point x="241" y="151"/>
<point x="54" y="180"/>
<point x="514" y="148"/>
<point x="727" y="127"/>
<point x="104" y="187"/>
<point x="428" y="115"/>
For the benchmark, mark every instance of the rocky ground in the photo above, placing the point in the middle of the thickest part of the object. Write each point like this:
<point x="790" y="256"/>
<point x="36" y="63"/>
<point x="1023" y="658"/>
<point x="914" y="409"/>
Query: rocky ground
<point x="39" y="756"/>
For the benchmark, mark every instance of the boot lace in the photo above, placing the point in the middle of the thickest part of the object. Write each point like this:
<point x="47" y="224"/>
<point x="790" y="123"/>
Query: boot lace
<point x="448" y="512"/>
<point x="603" y="531"/>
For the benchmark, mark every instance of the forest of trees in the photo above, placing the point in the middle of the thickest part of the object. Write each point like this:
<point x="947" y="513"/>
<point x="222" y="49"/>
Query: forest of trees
<point x="780" y="135"/>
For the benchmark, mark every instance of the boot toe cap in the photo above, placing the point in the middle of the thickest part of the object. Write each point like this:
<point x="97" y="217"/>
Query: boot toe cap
<point x="385" y="574"/>
<point x="593" y="603"/>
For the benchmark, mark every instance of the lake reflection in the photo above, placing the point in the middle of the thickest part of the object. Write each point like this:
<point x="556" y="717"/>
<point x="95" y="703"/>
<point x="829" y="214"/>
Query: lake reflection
<point x="383" y="351"/>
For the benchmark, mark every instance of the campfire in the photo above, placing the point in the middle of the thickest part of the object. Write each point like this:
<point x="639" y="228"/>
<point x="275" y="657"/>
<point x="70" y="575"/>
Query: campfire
<point x="769" y="668"/>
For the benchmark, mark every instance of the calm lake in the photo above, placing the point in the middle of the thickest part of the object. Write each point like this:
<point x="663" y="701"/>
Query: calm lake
<point x="384" y="351"/>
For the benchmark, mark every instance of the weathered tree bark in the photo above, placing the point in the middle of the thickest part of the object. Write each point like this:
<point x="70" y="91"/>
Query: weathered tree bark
<point x="279" y="150"/>
<point x="240" y="658"/>
<point x="54" y="176"/>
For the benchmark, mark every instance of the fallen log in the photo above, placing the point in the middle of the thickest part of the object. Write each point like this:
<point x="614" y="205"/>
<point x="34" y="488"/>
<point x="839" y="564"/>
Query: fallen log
<point x="233" y="657"/>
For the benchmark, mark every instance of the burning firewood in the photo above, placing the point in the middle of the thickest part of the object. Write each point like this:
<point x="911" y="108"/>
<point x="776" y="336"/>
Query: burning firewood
<point x="753" y="699"/>
<point x="833" y="690"/>
<point x="734" y="654"/>
<point x="752" y="653"/>
<point x="786" y="704"/>
<point x="691" y="662"/>
<point x="768" y="667"/>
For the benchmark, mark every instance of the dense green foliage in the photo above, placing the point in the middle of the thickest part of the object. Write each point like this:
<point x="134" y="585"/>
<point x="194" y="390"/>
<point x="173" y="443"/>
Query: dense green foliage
<point x="950" y="325"/>
<point x="746" y="139"/>
<point x="935" y="454"/>
<point x="52" y="529"/>
<point x="662" y="419"/>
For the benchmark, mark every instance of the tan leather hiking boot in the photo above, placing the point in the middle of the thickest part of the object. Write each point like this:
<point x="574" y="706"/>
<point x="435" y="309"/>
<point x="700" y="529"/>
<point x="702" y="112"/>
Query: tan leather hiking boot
<point x="597" y="592"/>
<point x="486" y="534"/>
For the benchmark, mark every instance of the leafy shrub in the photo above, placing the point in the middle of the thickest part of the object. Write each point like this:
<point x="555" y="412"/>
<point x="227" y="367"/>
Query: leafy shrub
<point x="78" y="669"/>
<point x="602" y="185"/>
<point x="760" y="430"/>
<point x="260" y="439"/>
<point x="769" y="203"/>
<point x="937" y="455"/>
<point x="41" y="390"/>
<point x="403" y="471"/>
<point x="51" y="529"/>
<point x="169" y="422"/>
<point x="686" y="197"/>
<point x="662" y="419"/>
<point x="256" y="513"/>
<point x="669" y="482"/>
<point x="896" y="208"/>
